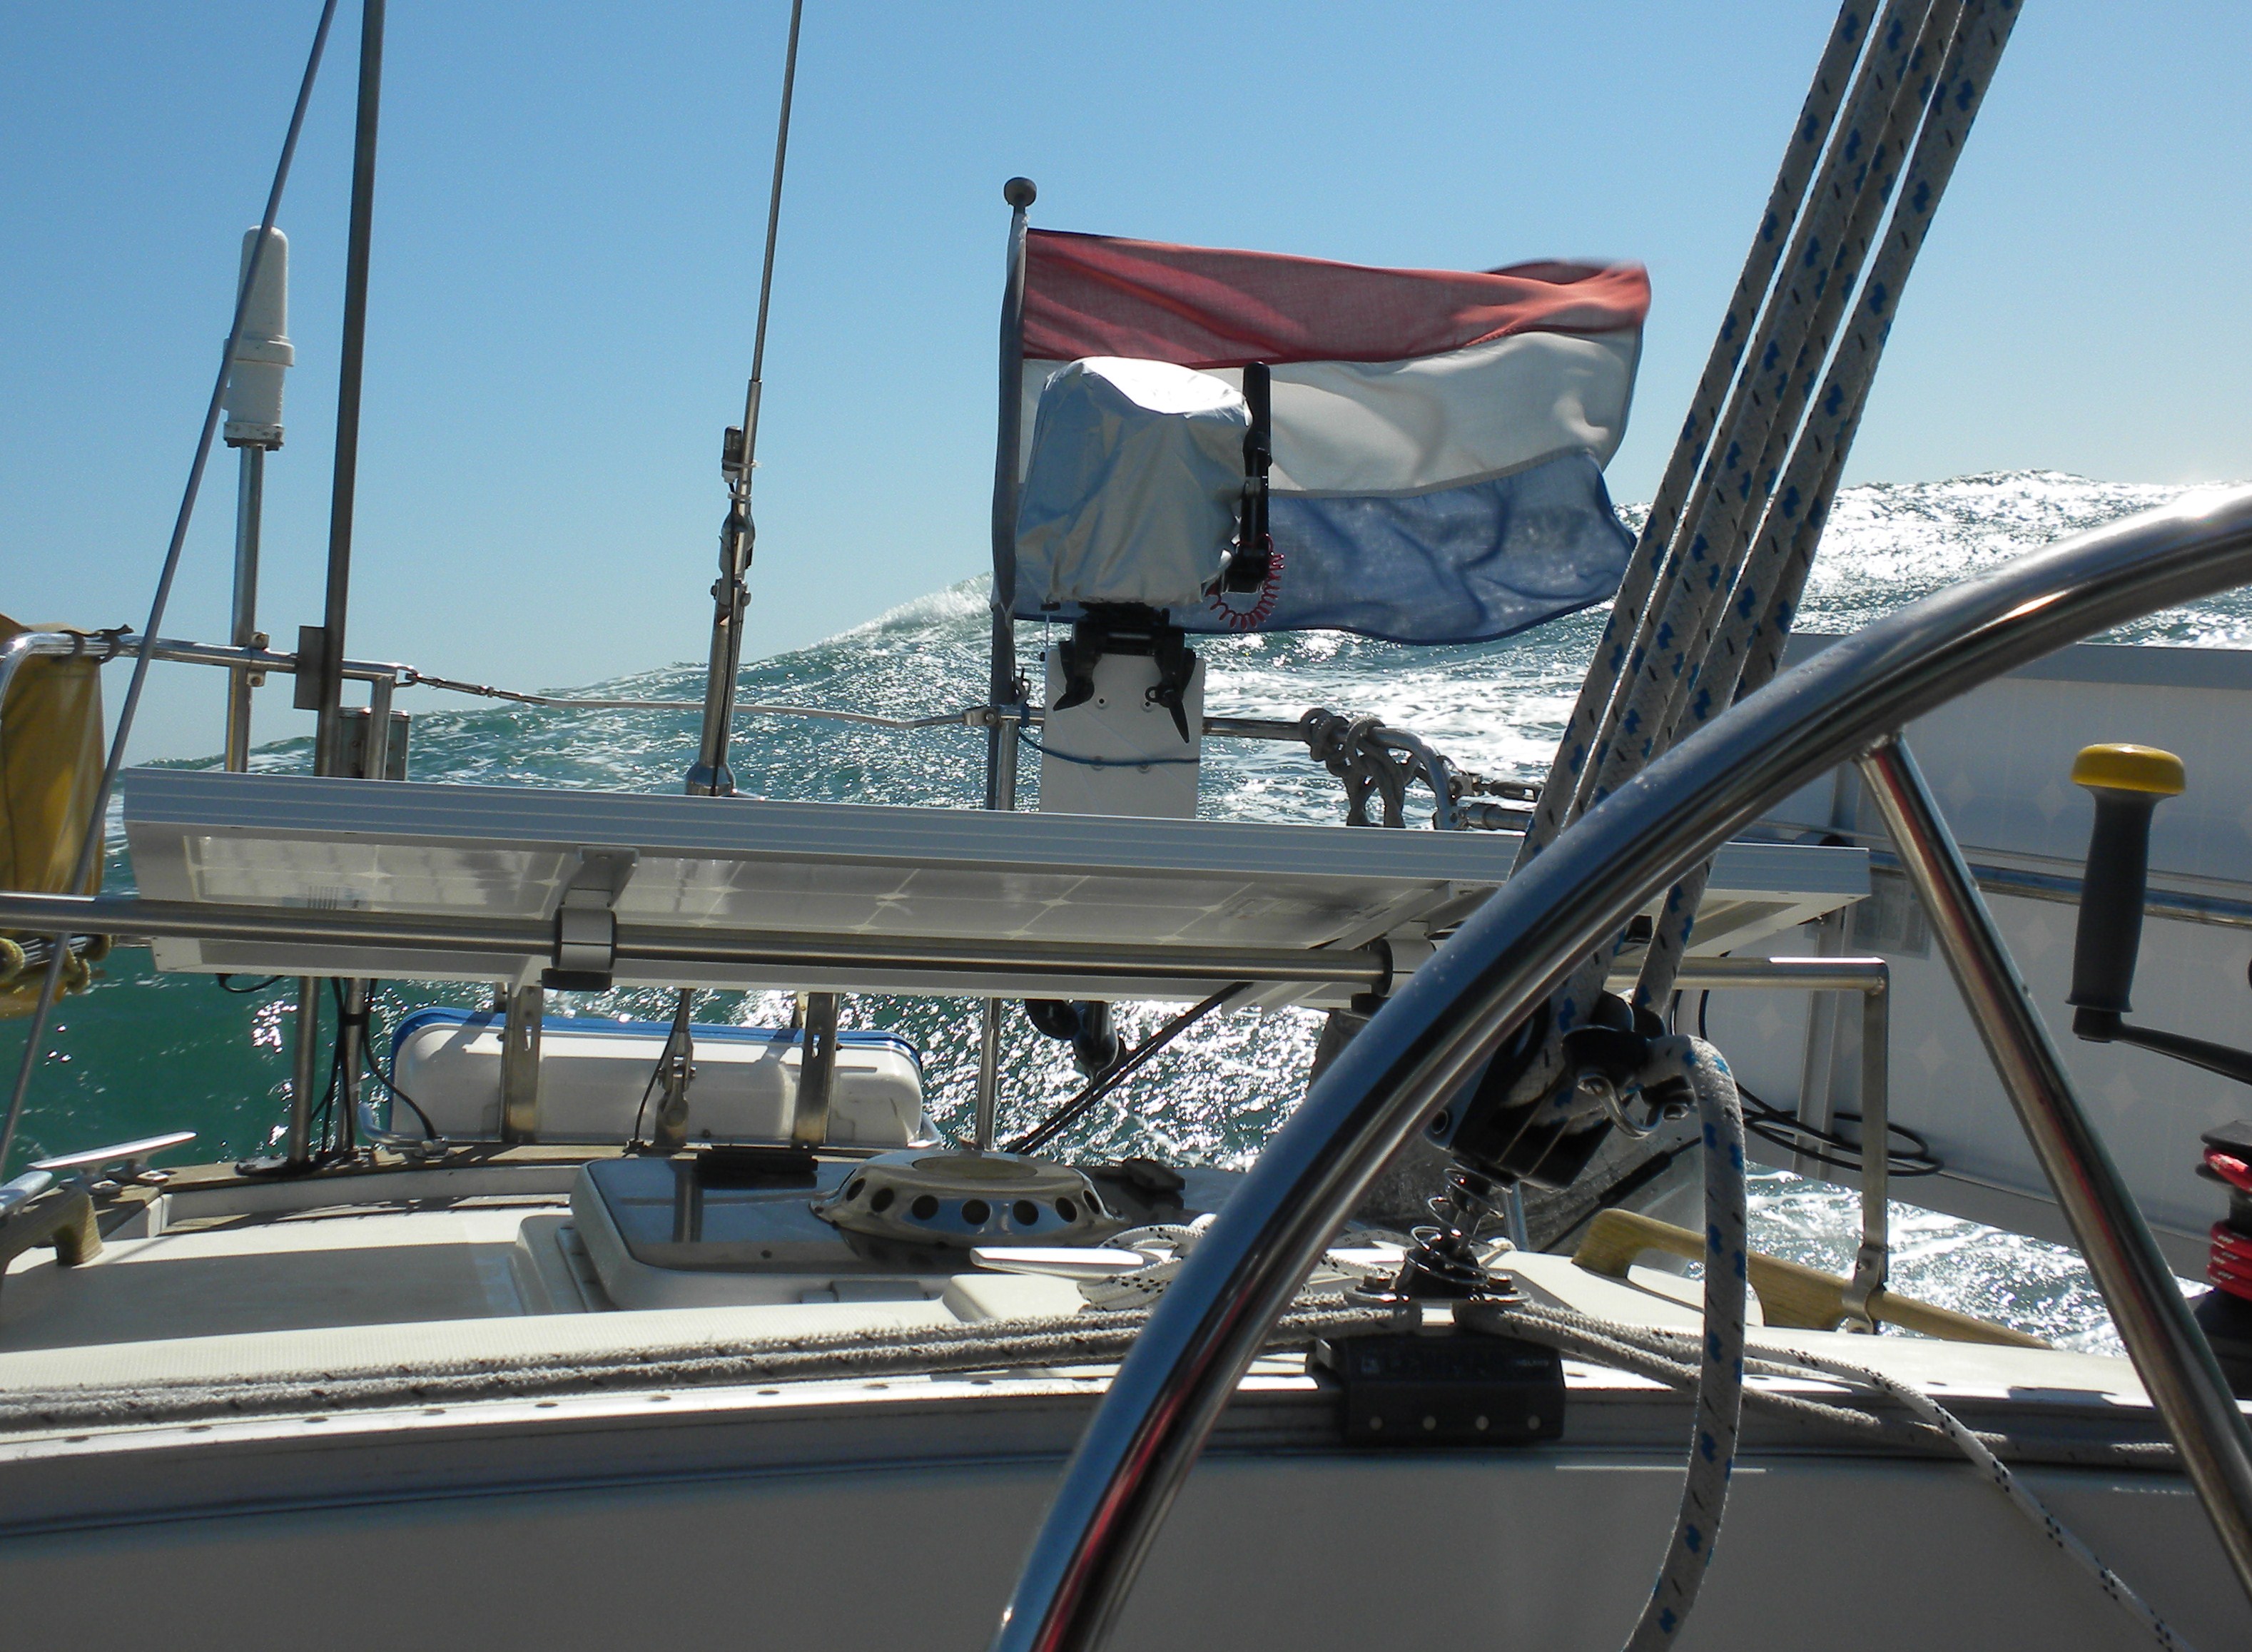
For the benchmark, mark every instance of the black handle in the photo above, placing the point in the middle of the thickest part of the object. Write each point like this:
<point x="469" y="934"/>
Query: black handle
<point x="2128" y="782"/>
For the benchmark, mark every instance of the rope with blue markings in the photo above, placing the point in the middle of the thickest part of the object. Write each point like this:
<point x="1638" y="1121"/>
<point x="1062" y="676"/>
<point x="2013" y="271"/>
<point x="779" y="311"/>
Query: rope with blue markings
<point x="1799" y="319"/>
<point x="1748" y="649"/>
<point x="1721" y="593"/>
<point x="1721" y="565"/>
<point x="1721" y="1377"/>
<point x="1816" y="117"/>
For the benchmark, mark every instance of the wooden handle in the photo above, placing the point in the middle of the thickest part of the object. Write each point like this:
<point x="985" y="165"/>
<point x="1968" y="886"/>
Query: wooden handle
<point x="1792" y="1296"/>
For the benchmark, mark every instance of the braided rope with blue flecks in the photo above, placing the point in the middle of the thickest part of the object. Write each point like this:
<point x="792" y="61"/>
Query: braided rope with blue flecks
<point x="1998" y="1475"/>
<point x="1796" y="326"/>
<point x="1721" y="1378"/>
<point x="1797" y="322"/>
<point x="1792" y="178"/>
<point x="1747" y="648"/>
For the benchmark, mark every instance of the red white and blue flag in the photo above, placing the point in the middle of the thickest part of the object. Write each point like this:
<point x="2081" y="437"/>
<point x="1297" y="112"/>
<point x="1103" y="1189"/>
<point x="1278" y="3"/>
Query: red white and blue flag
<point x="1439" y="435"/>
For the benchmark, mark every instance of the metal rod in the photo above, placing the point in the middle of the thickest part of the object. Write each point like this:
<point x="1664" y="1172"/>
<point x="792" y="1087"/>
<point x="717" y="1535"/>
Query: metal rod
<point x="350" y="361"/>
<point x="249" y="508"/>
<point x="351" y="1047"/>
<point x="1509" y="956"/>
<point x="1873" y="1263"/>
<point x="376" y="762"/>
<point x="817" y="1069"/>
<point x="1872" y="979"/>
<point x="731" y="594"/>
<point x="685" y="945"/>
<point x="1866" y="976"/>
<point x="989" y="1075"/>
<point x="774" y="227"/>
<point x="519" y="1063"/>
<point x="106" y="646"/>
<point x="2170" y="1352"/>
<point x="1002" y="685"/>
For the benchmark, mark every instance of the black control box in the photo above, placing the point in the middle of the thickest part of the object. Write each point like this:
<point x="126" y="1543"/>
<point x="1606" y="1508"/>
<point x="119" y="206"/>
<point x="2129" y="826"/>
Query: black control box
<point x="1453" y="1388"/>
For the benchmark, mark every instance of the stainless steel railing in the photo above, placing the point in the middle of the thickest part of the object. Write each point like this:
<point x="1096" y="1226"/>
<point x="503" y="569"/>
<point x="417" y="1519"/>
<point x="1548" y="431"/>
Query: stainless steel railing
<point x="1517" y="949"/>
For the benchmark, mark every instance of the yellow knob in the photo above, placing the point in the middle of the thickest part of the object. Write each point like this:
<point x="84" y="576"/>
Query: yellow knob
<point x="2129" y="768"/>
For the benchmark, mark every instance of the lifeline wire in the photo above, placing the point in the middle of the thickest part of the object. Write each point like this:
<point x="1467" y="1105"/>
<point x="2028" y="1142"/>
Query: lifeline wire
<point x="98" y="819"/>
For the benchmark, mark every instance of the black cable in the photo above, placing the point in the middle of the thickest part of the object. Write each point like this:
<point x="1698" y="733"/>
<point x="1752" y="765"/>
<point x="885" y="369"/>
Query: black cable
<point x="1071" y="1110"/>
<point x="1793" y="1134"/>
<point x="327" y="1111"/>
<point x="253" y="987"/>
<point x="430" y="1132"/>
<point x="633" y="1141"/>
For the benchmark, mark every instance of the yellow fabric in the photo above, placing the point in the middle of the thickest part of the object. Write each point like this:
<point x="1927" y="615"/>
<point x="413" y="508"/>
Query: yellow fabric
<point x="2129" y="768"/>
<point x="50" y="759"/>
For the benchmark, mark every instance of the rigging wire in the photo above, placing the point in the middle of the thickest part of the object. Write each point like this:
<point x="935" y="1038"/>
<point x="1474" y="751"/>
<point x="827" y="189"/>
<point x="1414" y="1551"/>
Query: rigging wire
<point x="98" y="815"/>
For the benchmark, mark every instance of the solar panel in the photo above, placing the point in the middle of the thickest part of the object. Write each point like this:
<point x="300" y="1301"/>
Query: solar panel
<point x="864" y="871"/>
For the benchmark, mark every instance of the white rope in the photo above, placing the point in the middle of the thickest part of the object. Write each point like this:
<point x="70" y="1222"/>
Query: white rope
<point x="1721" y="1377"/>
<point x="1998" y="1475"/>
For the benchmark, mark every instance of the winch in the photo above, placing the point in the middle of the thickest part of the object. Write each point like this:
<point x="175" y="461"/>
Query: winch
<point x="961" y="1199"/>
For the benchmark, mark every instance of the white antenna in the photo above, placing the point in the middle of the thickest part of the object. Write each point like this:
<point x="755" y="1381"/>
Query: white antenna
<point x="263" y="351"/>
<point x="261" y="354"/>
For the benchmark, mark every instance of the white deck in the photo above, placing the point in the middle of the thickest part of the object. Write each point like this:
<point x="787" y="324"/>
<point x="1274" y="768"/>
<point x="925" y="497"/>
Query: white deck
<point x="895" y="1510"/>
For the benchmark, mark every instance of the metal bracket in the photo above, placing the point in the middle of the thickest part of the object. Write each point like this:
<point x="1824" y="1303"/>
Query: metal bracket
<point x="585" y="925"/>
<point x="817" y="1071"/>
<point x="519" y="1064"/>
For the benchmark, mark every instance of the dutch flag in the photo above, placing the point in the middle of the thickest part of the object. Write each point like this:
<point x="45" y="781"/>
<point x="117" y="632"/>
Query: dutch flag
<point x="1439" y="435"/>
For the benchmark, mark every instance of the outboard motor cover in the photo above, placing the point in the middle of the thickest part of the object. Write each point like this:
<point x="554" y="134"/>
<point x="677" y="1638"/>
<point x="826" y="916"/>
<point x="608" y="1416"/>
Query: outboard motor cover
<point x="1135" y="478"/>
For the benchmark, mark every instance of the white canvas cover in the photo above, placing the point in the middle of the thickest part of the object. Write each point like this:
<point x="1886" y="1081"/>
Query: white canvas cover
<point x="1131" y="494"/>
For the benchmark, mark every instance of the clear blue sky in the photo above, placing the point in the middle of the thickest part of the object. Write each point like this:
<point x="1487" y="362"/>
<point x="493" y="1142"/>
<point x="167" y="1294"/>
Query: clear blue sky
<point x="571" y="198"/>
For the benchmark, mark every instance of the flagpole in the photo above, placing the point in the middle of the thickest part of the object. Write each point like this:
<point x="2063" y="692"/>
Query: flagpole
<point x="1004" y="691"/>
<point x="1001" y="732"/>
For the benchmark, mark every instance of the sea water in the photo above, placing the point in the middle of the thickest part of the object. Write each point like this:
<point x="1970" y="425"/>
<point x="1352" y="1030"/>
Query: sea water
<point x="142" y="1053"/>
